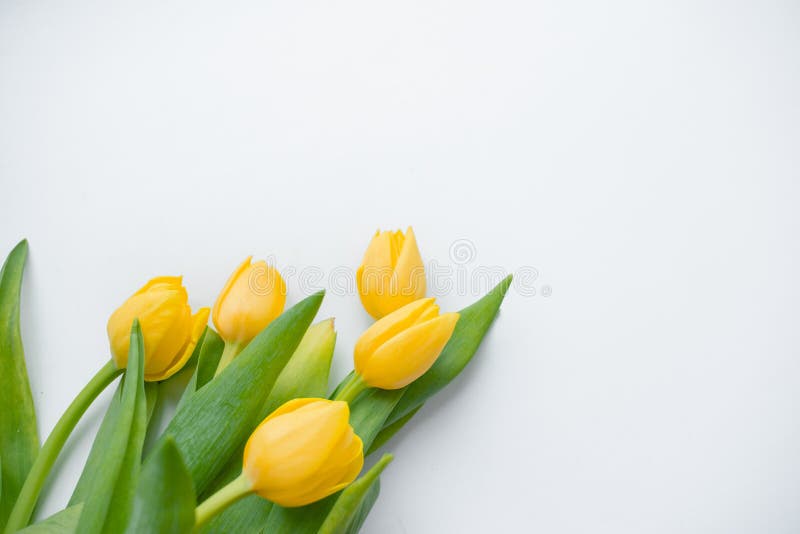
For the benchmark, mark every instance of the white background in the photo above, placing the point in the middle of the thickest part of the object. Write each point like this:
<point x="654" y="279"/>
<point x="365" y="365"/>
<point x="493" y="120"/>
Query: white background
<point x="642" y="156"/>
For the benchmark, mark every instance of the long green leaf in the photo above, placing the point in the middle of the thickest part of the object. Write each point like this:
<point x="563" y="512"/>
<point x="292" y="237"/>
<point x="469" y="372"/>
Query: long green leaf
<point x="305" y="375"/>
<point x="63" y="522"/>
<point x="99" y="453"/>
<point x="19" y="440"/>
<point x="389" y="431"/>
<point x="345" y="512"/>
<point x="301" y="520"/>
<point x="109" y="497"/>
<point x="364" y="508"/>
<point x="370" y="410"/>
<point x="165" y="500"/>
<point x="210" y="426"/>
<point x="151" y="399"/>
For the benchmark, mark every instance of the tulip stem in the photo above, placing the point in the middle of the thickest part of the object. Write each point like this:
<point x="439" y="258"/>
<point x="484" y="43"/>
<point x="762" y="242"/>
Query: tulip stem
<point x="351" y="389"/>
<point x="230" y="351"/>
<point x="235" y="490"/>
<point x="29" y="494"/>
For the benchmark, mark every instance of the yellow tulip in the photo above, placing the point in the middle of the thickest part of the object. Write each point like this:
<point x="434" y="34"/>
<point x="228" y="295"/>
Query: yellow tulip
<point x="303" y="452"/>
<point x="251" y="299"/>
<point x="169" y="329"/>
<point x="399" y="348"/>
<point x="391" y="274"/>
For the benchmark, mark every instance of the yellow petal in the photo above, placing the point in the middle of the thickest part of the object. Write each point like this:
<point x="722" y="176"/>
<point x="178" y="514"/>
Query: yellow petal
<point x="225" y="290"/>
<point x="162" y="282"/>
<point x="252" y="299"/>
<point x="165" y="335"/>
<point x="291" y="445"/>
<point x="409" y="354"/>
<point x="339" y="471"/>
<point x="155" y="310"/>
<point x="289" y="407"/>
<point x="388" y="327"/>
<point x="410" y="270"/>
<point x="391" y="274"/>
<point x="199" y="323"/>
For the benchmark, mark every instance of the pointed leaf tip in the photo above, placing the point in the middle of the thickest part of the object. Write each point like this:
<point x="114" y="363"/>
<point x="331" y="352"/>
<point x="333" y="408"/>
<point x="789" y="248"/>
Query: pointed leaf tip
<point x="503" y="285"/>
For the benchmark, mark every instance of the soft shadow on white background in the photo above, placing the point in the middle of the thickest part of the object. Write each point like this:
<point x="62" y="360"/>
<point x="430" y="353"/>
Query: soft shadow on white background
<point x="642" y="156"/>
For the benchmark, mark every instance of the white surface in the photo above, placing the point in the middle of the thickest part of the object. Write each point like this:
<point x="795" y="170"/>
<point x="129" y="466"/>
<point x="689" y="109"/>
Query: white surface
<point x="642" y="156"/>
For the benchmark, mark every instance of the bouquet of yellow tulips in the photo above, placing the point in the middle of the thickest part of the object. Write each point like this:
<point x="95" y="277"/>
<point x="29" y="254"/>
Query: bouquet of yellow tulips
<point x="257" y="443"/>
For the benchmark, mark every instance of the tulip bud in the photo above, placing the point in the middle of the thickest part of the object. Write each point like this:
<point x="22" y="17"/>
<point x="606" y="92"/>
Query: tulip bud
<point x="399" y="348"/>
<point x="251" y="299"/>
<point x="303" y="452"/>
<point x="169" y="329"/>
<point x="391" y="274"/>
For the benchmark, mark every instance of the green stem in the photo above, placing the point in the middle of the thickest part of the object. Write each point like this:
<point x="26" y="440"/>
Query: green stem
<point x="238" y="488"/>
<point x="351" y="389"/>
<point x="230" y="351"/>
<point x="23" y="508"/>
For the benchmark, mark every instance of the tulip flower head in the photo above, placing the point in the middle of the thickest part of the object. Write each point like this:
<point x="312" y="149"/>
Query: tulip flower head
<point x="251" y="299"/>
<point x="169" y="329"/>
<point x="402" y="346"/>
<point x="303" y="452"/>
<point x="392" y="273"/>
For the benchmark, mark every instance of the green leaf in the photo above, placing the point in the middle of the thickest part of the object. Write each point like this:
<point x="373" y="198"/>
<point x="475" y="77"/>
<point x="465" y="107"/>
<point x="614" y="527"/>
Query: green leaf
<point x="305" y="375"/>
<point x="63" y="522"/>
<point x="345" y="512"/>
<point x="301" y="520"/>
<point x="98" y="453"/>
<point x="210" y="351"/>
<point x="218" y="417"/>
<point x="469" y="332"/>
<point x="307" y="372"/>
<point x="98" y="456"/>
<point x="151" y="399"/>
<point x="110" y="486"/>
<point x="389" y="431"/>
<point x="246" y="515"/>
<point x="370" y="410"/>
<point x="19" y="439"/>
<point x="165" y="501"/>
